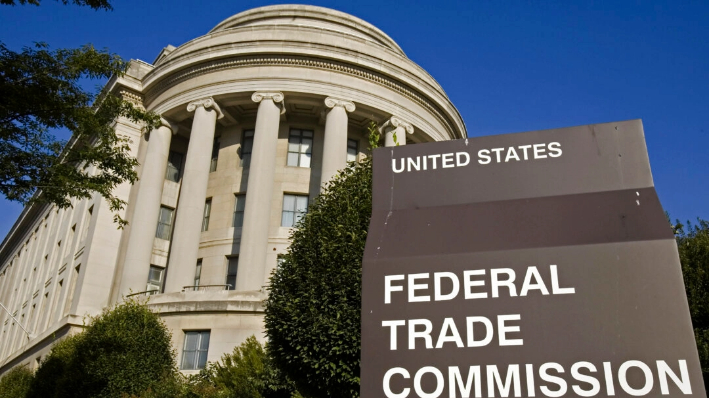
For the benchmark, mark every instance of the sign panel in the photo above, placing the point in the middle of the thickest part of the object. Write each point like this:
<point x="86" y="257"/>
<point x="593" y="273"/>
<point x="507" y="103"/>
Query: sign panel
<point x="537" y="264"/>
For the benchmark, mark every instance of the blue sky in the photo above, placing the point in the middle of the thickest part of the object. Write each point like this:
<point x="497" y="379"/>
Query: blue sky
<point x="508" y="66"/>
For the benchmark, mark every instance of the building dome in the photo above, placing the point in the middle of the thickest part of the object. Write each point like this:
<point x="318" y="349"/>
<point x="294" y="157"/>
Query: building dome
<point x="311" y="16"/>
<point x="258" y="114"/>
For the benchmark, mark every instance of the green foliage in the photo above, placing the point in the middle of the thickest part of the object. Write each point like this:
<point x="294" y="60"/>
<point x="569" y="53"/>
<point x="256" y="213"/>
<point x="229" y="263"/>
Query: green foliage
<point x="124" y="351"/>
<point x="16" y="382"/>
<point x="693" y="245"/>
<point x="40" y="91"/>
<point x="95" y="4"/>
<point x="248" y="372"/>
<point x="313" y="308"/>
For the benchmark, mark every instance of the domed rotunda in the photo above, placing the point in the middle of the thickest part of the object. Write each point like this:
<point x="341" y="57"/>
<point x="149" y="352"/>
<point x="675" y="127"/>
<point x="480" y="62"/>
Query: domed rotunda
<point x="257" y="115"/>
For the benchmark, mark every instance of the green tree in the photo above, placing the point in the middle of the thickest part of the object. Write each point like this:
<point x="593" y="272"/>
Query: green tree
<point x="95" y="4"/>
<point x="40" y="91"/>
<point x="124" y="351"/>
<point x="693" y="246"/>
<point x="16" y="382"/>
<point x="313" y="307"/>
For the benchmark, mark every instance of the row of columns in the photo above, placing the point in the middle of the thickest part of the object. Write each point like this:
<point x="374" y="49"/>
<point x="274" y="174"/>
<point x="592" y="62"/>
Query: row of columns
<point x="193" y="191"/>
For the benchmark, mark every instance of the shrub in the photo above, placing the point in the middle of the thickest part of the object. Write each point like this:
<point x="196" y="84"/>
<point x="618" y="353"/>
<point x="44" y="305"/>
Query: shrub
<point x="124" y="351"/>
<point x="16" y="382"/>
<point x="313" y="308"/>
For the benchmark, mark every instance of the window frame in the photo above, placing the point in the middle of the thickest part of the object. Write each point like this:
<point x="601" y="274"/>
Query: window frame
<point x="171" y="169"/>
<point x="355" y="147"/>
<point x="169" y="225"/>
<point x="206" y="214"/>
<point x="246" y="150"/>
<point x="237" y="211"/>
<point x="299" y="134"/>
<point x="197" y="274"/>
<point x="197" y="361"/>
<point x="150" y="282"/>
<point x="229" y="275"/>
<point x="296" y="215"/>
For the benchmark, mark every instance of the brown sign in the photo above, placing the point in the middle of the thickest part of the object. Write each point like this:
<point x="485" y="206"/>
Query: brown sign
<point x="538" y="264"/>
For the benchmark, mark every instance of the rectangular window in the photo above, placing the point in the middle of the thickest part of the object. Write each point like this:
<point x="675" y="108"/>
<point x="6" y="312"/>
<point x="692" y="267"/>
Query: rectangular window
<point x="300" y="146"/>
<point x="294" y="207"/>
<point x="231" y="272"/>
<point x="247" y="144"/>
<point x="164" y="223"/>
<point x="174" y="165"/>
<point x="198" y="274"/>
<point x="352" y="150"/>
<point x="215" y="155"/>
<point x="194" y="351"/>
<point x="239" y="205"/>
<point x="205" y="217"/>
<point x="155" y="279"/>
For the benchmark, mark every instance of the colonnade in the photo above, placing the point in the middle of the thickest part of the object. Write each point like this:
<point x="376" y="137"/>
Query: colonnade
<point x="188" y="219"/>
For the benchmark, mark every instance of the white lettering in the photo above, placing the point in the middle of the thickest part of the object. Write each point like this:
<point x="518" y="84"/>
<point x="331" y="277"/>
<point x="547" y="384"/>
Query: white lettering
<point x="413" y="165"/>
<point x="387" y="388"/>
<point x="484" y="156"/>
<point x="488" y="331"/>
<point x="425" y="334"/>
<point x="440" y="382"/>
<point x="511" y="153"/>
<point x="502" y="330"/>
<point x="438" y="296"/>
<point x="524" y="148"/>
<point x="528" y="285"/>
<point x="497" y="153"/>
<point x="496" y="282"/>
<point x="388" y="288"/>
<point x="623" y="380"/>
<point x="457" y="159"/>
<point x="539" y="151"/>
<point x="393" y="165"/>
<point x="552" y="379"/>
<point x="413" y="287"/>
<point x="455" y="379"/>
<point x="595" y="385"/>
<point x="392" y="331"/>
<point x="447" y="161"/>
<point x="555" y="283"/>
<point x="433" y="159"/>
<point x="454" y="337"/>
<point x="664" y="370"/>
<point x="468" y="283"/>
<point x="554" y="149"/>
<point x="494" y="378"/>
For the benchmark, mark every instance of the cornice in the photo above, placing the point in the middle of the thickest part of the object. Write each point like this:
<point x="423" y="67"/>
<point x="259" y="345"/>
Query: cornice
<point x="250" y="61"/>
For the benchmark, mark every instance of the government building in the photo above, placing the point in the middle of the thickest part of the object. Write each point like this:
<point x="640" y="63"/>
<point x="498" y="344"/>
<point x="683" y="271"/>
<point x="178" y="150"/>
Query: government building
<point x="257" y="114"/>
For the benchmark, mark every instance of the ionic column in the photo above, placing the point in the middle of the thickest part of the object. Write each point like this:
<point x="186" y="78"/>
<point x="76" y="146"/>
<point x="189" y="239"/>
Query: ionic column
<point x="396" y="126"/>
<point x="147" y="210"/>
<point x="193" y="192"/>
<point x="259" y="192"/>
<point x="335" y="143"/>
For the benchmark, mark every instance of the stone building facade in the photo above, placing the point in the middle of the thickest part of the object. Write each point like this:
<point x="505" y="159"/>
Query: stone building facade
<point x="257" y="115"/>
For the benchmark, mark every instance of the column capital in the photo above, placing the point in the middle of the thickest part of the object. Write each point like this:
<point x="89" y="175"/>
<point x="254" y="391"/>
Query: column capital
<point x="171" y="125"/>
<point x="276" y="96"/>
<point x="208" y="102"/>
<point x="395" y="122"/>
<point x="332" y="102"/>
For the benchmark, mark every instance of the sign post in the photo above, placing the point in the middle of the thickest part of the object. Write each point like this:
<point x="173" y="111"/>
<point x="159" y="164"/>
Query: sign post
<point x="537" y="264"/>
